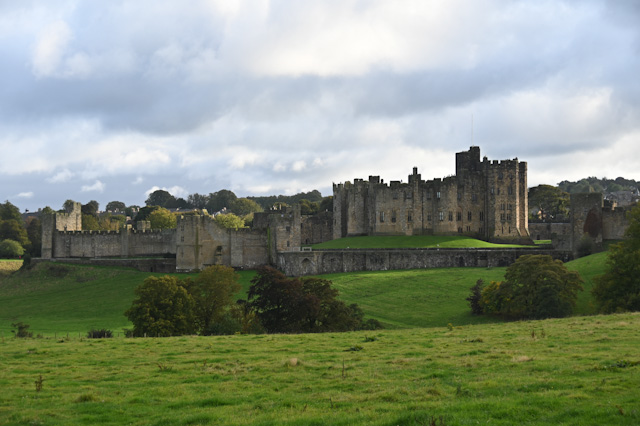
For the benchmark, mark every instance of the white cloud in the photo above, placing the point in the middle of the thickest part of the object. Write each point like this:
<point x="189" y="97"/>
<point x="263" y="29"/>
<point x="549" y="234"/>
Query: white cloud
<point x="176" y="191"/>
<point x="62" y="176"/>
<point x="25" y="195"/>
<point x="299" y="166"/>
<point x="96" y="187"/>
<point x="50" y="48"/>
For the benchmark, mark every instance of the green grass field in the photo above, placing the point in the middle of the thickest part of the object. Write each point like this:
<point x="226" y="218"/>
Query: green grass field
<point x="434" y="363"/>
<point x="414" y="241"/>
<point x="574" y="371"/>
<point x="56" y="299"/>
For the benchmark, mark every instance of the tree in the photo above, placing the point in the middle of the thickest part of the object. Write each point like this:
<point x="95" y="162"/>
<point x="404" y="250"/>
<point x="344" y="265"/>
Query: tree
<point x="10" y="249"/>
<point x="161" y="198"/>
<point x="34" y="233"/>
<point x="213" y="291"/>
<point x="552" y="201"/>
<point x="116" y="206"/>
<point x="9" y="212"/>
<point x="90" y="223"/>
<point x="309" y="207"/>
<point x="91" y="208"/>
<point x="475" y="298"/>
<point x="535" y="286"/>
<point x="144" y="212"/>
<point x="12" y="229"/>
<point x="229" y="221"/>
<point x="299" y="305"/>
<point x="163" y="307"/>
<point x="198" y="201"/>
<point x="221" y="199"/>
<point x="162" y="218"/>
<point x="619" y="288"/>
<point x="244" y="206"/>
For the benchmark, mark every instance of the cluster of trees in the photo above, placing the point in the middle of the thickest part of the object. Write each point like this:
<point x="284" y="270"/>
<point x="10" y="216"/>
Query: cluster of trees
<point x="169" y="306"/>
<point x="535" y="287"/>
<point x="17" y="236"/>
<point x="548" y="204"/>
<point x="618" y="289"/>
<point x="594" y="184"/>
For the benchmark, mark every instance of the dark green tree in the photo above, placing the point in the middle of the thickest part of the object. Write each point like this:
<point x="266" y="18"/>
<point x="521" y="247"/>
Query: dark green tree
<point x="163" y="307"/>
<point x="619" y="288"/>
<point x="309" y="207"/>
<point x="34" y="233"/>
<point x="552" y="202"/>
<point x="475" y="298"/>
<point x="221" y="199"/>
<point x="91" y="208"/>
<point x="198" y="201"/>
<point x="214" y="291"/>
<point x="161" y="198"/>
<point x="13" y="229"/>
<point x="535" y="287"/>
<point x="245" y="206"/>
<point x="10" y="212"/>
<point x="299" y="305"/>
<point x="116" y="206"/>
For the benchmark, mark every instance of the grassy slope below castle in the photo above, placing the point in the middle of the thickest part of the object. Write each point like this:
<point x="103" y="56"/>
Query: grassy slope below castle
<point x="59" y="299"/>
<point x="413" y="241"/>
<point x="574" y="371"/>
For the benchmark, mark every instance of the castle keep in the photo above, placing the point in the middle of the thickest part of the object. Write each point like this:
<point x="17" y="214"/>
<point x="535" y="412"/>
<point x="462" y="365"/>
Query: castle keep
<point x="485" y="199"/>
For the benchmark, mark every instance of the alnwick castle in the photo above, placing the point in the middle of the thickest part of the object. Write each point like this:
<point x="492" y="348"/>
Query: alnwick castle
<point x="484" y="199"/>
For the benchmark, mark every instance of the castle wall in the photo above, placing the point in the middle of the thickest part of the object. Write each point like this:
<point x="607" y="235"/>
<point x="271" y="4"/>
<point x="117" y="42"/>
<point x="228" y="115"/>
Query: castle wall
<point x="586" y="219"/>
<point x="201" y="242"/>
<point x="125" y="243"/>
<point x="614" y="223"/>
<point x="316" y="229"/>
<point x="338" y="261"/>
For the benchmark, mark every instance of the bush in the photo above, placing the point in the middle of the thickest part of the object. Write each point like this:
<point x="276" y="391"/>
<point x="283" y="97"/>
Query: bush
<point x="22" y="330"/>
<point x="100" y="334"/>
<point x="11" y="249"/>
<point x="475" y="298"/>
<point x="535" y="287"/>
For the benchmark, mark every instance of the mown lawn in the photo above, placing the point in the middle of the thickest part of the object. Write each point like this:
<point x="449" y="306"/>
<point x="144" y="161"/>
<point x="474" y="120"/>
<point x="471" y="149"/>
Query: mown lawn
<point x="574" y="371"/>
<point x="414" y="241"/>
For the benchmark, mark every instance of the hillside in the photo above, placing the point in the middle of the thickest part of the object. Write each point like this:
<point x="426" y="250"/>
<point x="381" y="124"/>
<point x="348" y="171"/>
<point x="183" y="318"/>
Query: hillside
<point x="59" y="299"/>
<point x="574" y="371"/>
<point x="412" y="241"/>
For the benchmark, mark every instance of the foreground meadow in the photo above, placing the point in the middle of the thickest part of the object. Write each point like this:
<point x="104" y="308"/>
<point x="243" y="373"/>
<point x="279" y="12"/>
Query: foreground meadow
<point x="574" y="371"/>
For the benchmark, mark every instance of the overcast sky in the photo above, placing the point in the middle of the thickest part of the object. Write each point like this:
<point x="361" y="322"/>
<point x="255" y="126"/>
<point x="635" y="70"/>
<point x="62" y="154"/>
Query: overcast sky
<point x="111" y="100"/>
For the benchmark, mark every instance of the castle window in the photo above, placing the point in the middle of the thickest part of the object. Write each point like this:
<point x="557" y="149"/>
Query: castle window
<point x="469" y="216"/>
<point x="288" y="243"/>
<point x="474" y="198"/>
<point x="409" y="218"/>
<point x="429" y="217"/>
<point x="408" y="195"/>
<point x="502" y="217"/>
<point x="450" y="216"/>
<point x="510" y="190"/>
<point x="395" y="195"/>
<point x="438" y="195"/>
<point x="441" y="216"/>
<point x="492" y="190"/>
<point x="182" y="239"/>
<point x="481" y="216"/>
<point x="459" y="196"/>
<point x="459" y="229"/>
<point x="468" y="229"/>
<point x="428" y="195"/>
<point x="509" y="206"/>
<point x="458" y="216"/>
<point x="381" y="217"/>
<point x="288" y="229"/>
<point x="502" y="206"/>
<point x="500" y="175"/>
<point x="393" y="217"/>
<point x="508" y="216"/>
<point x="498" y="191"/>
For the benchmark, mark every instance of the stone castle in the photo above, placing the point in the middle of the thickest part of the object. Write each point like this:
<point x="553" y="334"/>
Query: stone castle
<point x="484" y="199"/>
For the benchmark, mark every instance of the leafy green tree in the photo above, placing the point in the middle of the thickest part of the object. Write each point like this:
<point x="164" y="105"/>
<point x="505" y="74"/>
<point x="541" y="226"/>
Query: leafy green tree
<point x="163" y="307"/>
<point x="326" y="205"/>
<point x="162" y="218"/>
<point x="10" y="249"/>
<point x="116" y="206"/>
<point x="309" y="207"/>
<point x="552" y="202"/>
<point x="299" y="305"/>
<point x="619" y="288"/>
<point x="10" y="212"/>
<point x="90" y="223"/>
<point x="535" y="286"/>
<point x="221" y="199"/>
<point x="229" y="221"/>
<point x="144" y="212"/>
<point x="13" y="229"/>
<point x="198" y="201"/>
<point x="213" y="291"/>
<point x="91" y="208"/>
<point x="245" y="206"/>
<point x="475" y="298"/>
<point x="161" y="198"/>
